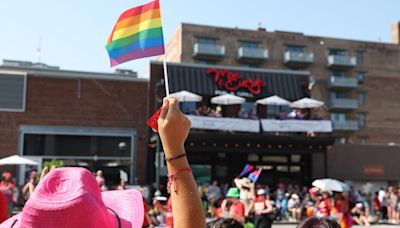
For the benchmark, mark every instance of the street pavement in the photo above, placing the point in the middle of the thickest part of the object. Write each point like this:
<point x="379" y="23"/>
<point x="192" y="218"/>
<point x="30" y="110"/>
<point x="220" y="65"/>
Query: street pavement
<point x="372" y="226"/>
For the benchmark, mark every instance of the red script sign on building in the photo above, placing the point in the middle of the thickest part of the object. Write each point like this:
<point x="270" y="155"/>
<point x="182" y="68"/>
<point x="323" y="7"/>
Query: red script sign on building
<point x="225" y="79"/>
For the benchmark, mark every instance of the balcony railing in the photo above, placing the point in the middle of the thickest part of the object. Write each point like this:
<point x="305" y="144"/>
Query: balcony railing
<point x="342" y="103"/>
<point x="224" y="124"/>
<point x="211" y="50"/>
<point x="296" y="125"/>
<point x="342" y="82"/>
<point x="341" y="61"/>
<point x="253" y="126"/>
<point x="298" y="57"/>
<point x="346" y="125"/>
<point x="252" y="53"/>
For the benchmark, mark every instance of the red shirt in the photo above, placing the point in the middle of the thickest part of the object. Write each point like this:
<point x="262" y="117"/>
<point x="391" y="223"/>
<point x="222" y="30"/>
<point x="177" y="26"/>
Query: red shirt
<point x="146" y="210"/>
<point x="259" y="205"/>
<point x="3" y="207"/>
<point x="237" y="209"/>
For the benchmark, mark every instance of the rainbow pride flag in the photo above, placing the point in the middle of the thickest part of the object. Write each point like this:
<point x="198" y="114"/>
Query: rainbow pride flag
<point x="137" y="34"/>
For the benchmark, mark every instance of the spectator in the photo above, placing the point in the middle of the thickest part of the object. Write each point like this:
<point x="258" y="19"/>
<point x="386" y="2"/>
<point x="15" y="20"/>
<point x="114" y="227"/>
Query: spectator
<point x="233" y="205"/>
<point x="263" y="210"/>
<point x="29" y="187"/>
<point x="246" y="188"/>
<point x="214" y="192"/>
<point x="294" y="207"/>
<point x="7" y="186"/>
<point x="243" y="114"/>
<point x="324" y="205"/>
<point x="100" y="180"/>
<point x="253" y="114"/>
<point x="3" y="207"/>
<point x="358" y="215"/>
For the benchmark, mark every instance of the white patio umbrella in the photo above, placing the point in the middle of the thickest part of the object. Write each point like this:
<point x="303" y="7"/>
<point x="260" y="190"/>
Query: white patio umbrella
<point x="307" y="103"/>
<point x="329" y="184"/>
<point x="17" y="160"/>
<point x="273" y="100"/>
<point x="186" y="96"/>
<point x="227" y="99"/>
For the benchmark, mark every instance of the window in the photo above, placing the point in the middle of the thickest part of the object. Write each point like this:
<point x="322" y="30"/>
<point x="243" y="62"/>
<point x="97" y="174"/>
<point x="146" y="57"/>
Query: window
<point x="361" y="98"/>
<point x="295" y="48"/>
<point x="340" y="74"/>
<point x="361" y="119"/>
<point x="361" y="77"/>
<point x="338" y="52"/>
<point x="360" y="57"/>
<point x="337" y="95"/>
<point x="341" y="140"/>
<point x="250" y="65"/>
<point x="338" y="117"/>
<point x="206" y="40"/>
<point x="249" y="44"/>
<point x="206" y="62"/>
<point x="12" y="92"/>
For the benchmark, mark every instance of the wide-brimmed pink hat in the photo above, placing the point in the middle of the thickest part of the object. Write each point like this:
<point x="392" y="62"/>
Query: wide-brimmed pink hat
<point x="70" y="197"/>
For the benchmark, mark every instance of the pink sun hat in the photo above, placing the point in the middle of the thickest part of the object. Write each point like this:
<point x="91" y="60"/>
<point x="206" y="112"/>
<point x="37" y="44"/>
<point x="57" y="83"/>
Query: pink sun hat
<point x="70" y="197"/>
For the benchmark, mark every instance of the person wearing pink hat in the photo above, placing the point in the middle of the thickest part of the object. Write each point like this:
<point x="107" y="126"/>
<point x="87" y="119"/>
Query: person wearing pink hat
<point x="71" y="197"/>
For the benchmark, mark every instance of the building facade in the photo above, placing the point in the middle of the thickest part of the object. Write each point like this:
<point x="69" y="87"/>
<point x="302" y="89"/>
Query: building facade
<point x="359" y="82"/>
<point x="88" y="119"/>
<point x="219" y="146"/>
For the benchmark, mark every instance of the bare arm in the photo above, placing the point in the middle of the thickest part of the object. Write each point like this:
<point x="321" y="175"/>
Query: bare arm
<point x="186" y="203"/>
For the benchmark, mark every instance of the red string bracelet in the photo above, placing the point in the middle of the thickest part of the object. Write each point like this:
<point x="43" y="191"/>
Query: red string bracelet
<point x="172" y="178"/>
<point x="176" y="157"/>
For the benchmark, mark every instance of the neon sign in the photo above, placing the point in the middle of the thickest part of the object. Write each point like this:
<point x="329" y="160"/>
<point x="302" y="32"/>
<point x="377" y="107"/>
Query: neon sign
<point x="231" y="81"/>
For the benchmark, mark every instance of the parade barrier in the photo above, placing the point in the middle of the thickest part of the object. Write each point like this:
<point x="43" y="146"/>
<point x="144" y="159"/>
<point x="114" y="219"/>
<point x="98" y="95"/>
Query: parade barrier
<point x="296" y="125"/>
<point x="224" y="124"/>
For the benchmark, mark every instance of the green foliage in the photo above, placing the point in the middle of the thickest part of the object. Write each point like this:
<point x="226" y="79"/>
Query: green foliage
<point x="56" y="163"/>
<point x="49" y="164"/>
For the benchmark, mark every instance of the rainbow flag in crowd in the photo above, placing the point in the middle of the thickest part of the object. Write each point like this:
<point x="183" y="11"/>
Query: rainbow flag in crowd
<point x="253" y="176"/>
<point x="247" y="168"/>
<point x="137" y="34"/>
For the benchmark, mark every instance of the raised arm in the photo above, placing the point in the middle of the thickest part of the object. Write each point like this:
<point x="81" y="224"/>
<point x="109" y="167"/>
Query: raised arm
<point x="186" y="203"/>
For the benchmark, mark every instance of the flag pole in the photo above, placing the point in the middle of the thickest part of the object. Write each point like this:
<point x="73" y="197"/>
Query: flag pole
<point x="166" y="76"/>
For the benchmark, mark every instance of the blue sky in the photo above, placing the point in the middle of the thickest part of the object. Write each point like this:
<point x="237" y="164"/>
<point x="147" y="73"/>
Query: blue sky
<point x="73" y="32"/>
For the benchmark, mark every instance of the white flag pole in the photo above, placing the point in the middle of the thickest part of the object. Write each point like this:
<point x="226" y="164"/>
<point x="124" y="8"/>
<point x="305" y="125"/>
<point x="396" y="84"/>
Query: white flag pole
<point x="166" y="76"/>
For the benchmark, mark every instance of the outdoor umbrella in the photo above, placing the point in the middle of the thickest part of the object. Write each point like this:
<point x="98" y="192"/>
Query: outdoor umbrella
<point x="227" y="99"/>
<point x="273" y="100"/>
<point x="17" y="160"/>
<point x="307" y="103"/>
<point x="186" y="96"/>
<point x="328" y="184"/>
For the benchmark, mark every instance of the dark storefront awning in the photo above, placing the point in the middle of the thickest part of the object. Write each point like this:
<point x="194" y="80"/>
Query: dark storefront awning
<point x="213" y="80"/>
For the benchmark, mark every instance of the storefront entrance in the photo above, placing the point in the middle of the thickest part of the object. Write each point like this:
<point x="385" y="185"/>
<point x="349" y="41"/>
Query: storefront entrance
<point x="106" y="149"/>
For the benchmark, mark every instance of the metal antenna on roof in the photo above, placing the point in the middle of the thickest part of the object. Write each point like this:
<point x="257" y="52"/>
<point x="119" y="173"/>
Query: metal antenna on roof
<point x="39" y="50"/>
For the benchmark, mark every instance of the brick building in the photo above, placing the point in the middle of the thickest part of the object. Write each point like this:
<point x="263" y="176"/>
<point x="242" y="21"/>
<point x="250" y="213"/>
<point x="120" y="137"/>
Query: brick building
<point x="359" y="82"/>
<point x="90" y="119"/>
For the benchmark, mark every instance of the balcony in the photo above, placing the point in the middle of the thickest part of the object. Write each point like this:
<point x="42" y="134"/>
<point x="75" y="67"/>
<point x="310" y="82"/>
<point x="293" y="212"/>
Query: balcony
<point x="269" y="125"/>
<point x="335" y="82"/>
<point x="293" y="58"/>
<point x="342" y="104"/>
<point x="341" y="62"/>
<point x="252" y="54"/>
<point x="346" y="125"/>
<point x="212" y="51"/>
<point x="224" y="124"/>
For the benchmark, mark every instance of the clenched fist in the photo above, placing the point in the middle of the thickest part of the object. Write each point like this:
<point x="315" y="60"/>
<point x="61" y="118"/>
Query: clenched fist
<point x="173" y="127"/>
